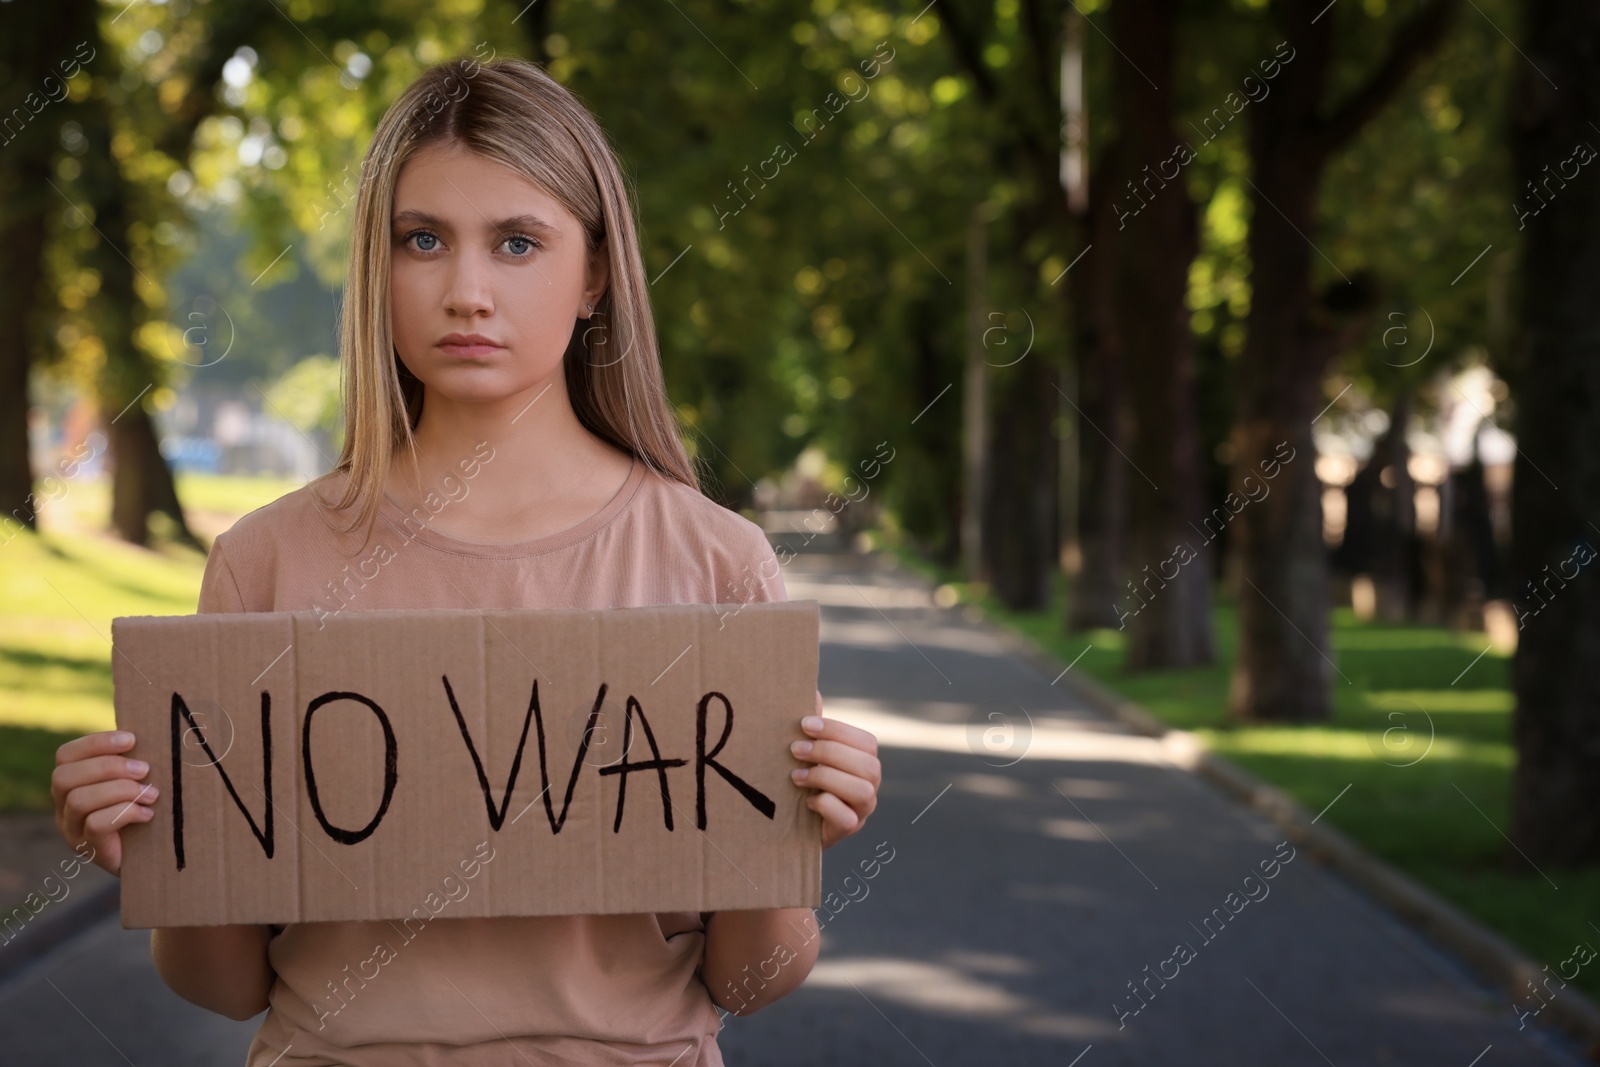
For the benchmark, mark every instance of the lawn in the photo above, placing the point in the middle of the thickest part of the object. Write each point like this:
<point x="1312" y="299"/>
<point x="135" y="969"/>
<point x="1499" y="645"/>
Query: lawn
<point x="1421" y="731"/>
<point x="1421" y="734"/>
<point x="62" y="587"/>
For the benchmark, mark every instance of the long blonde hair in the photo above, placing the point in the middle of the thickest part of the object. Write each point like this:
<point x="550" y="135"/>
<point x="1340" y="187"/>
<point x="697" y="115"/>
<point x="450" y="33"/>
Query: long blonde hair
<point x="510" y="111"/>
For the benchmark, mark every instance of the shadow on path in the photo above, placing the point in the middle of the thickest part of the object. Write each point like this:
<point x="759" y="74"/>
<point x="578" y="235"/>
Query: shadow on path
<point x="1061" y="894"/>
<point x="1038" y="884"/>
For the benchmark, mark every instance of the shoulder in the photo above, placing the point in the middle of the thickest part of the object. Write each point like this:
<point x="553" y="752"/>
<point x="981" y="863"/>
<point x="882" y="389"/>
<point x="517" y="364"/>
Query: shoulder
<point x="687" y="512"/>
<point x="734" y="548"/>
<point x="291" y="517"/>
<point x="242" y="567"/>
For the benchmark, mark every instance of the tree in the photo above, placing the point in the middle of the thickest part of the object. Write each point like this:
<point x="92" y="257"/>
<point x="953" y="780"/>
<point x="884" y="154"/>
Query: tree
<point x="40" y="54"/>
<point x="1418" y="219"/>
<point x="1149" y="260"/>
<point x="1023" y="140"/>
<point x="1556" y="485"/>
<point x="1283" y="667"/>
<point x="1098" y="413"/>
<point x="122" y="141"/>
<point x="141" y="482"/>
<point x="1380" y="534"/>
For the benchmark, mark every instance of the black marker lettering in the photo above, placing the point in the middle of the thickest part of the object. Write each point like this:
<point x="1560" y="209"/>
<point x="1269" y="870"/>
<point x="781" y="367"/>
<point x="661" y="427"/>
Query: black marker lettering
<point x="496" y="818"/>
<point x="263" y="836"/>
<point x="703" y="759"/>
<point x="390" y="769"/>
<point x="577" y="763"/>
<point x="627" y="767"/>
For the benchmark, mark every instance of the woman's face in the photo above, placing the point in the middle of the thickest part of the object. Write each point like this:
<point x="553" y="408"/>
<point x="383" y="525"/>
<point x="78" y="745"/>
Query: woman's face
<point x="477" y="249"/>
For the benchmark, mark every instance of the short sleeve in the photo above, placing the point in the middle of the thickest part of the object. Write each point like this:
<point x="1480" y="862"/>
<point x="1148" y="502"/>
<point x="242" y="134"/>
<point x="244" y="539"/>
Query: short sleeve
<point x="219" y="591"/>
<point x="745" y="568"/>
<point x="767" y="571"/>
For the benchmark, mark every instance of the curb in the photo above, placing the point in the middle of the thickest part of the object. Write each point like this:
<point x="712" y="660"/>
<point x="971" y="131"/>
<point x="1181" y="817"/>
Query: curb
<point x="1490" y="956"/>
<point x="56" y="929"/>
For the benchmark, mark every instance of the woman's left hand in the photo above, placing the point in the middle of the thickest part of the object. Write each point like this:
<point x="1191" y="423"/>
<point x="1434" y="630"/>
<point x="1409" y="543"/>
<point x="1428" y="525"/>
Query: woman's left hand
<point x="844" y="775"/>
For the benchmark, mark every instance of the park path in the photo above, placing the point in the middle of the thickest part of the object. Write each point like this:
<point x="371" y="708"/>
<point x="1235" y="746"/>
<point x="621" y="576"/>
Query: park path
<point x="1013" y="903"/>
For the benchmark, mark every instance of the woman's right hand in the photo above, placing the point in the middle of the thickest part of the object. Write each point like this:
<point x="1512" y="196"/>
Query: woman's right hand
<point x="97" y="792"/>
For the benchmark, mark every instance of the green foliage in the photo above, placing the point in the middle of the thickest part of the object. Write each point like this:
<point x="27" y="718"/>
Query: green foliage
<point x="307" y="396"/>
<point x="773" y="293"/>
<point x="1419" y="196"/>
<point x="1421" y="735"/>
<point x="816" y="301"/>
<point x="818" y="305"/>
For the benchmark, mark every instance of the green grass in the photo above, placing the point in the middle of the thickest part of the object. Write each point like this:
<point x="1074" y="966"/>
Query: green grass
<point x="230" y="494"/>
<point x="62" y="587"/>
<point x="1417" y="747"/>
<point x="87" y="501"/>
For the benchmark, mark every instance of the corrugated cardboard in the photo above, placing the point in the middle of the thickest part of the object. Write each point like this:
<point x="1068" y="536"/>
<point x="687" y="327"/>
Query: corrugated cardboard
<point x="356" y="766"/>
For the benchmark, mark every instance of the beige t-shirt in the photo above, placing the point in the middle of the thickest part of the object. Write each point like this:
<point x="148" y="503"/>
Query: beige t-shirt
<point x="547" y="990"/>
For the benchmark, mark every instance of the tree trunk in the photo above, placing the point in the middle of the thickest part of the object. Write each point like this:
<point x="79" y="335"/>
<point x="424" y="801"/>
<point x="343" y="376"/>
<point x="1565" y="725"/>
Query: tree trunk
<point x="1100" y="505"/>
<point x="1169" y="597"/>
<point x="975" y="398"/>
<point x="1473" y="566"/>
<point x="1102" y="472"/>
<point x="1020" y="531"/>
<point x="934" y="509"/>
<point x="1019" y="537"/>
<point x="141" y="481"/>
<point x="37" y="38"/>
<point x="1380" y="531"/>
<point x="1283" y="665"/>
<point x="1100" y="416"/>
<point x="1555" y="814"/>
<point x="1284" y="661"/>
<point x="24" y="234"/>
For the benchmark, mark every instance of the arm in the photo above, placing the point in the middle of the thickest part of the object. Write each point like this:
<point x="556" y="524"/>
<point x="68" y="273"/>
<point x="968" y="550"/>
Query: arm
<point x="755" y="957"/>
<point x="221" y="968"/>
<point x="97" y="792"/>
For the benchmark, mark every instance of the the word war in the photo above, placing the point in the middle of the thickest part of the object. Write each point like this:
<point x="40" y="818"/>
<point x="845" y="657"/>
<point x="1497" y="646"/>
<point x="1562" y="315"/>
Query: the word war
<point x="705" y="758"/>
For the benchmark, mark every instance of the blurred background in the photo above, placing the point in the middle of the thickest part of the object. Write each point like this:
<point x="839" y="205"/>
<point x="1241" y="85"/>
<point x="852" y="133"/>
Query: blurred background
<point x="1242" y="354"/>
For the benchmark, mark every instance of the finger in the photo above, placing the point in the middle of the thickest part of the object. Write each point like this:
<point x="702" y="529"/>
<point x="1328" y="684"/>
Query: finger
<point x="88" y="800"/>
<point x="835" y="812"/>
<point x="857" y="792"/>
<point x="840" y="755"/>
<point x="108" y="855"/>
<point x="69" y="776"/>
<point x="838" y="730"/>
<point x="109" y="820"/>
<point x="100" y="744"/>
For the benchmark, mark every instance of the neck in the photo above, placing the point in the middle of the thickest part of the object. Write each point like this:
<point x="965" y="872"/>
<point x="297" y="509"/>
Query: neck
<point x="541" y="451"/>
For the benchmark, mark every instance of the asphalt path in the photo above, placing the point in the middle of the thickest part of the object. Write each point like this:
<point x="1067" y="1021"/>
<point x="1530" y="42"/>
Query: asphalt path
<point x="1045" y="888"/>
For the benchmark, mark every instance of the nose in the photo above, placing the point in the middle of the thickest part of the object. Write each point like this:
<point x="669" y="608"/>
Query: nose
<point x="470" y="291"/>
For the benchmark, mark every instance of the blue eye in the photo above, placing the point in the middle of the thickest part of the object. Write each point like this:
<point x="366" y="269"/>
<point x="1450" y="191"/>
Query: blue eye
<point x="524" y="239"/>
<point x="527" y="244"/>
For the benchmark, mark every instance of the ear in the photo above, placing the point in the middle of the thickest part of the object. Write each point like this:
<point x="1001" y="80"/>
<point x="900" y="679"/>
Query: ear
<point x="597" y="276"/>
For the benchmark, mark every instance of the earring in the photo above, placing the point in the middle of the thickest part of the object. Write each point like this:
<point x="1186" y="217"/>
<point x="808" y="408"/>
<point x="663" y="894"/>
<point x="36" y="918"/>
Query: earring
<point x="589" y="306"/>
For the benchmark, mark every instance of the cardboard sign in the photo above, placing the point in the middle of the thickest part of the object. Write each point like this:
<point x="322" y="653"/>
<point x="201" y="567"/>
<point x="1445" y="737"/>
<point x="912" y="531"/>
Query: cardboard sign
<point x="565" y="761"/>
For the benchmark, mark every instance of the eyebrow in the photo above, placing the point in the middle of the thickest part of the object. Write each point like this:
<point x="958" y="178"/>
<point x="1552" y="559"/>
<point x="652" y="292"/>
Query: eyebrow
<point x="515" y="222"/>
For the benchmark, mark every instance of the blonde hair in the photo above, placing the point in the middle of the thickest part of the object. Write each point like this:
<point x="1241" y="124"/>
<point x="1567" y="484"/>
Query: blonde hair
<point x="510" y="111"/>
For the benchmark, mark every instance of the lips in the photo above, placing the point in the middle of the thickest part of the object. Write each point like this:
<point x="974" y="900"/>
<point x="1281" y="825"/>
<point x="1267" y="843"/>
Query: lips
<point x="468" y="345"/>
